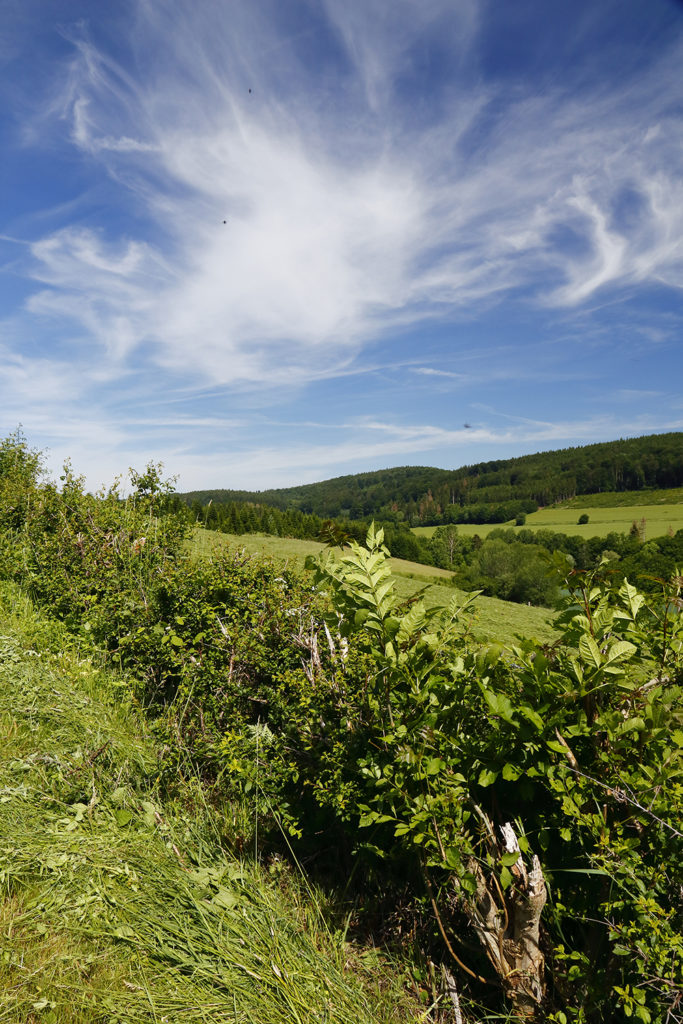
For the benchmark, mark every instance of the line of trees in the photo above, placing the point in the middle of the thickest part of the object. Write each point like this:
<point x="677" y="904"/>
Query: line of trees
<point x="429" y="496"/>
<point x="509" y="563"/>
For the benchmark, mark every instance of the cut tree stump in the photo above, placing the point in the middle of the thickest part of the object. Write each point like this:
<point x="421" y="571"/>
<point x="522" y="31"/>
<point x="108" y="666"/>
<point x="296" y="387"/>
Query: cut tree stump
<point x="508" y="925"/>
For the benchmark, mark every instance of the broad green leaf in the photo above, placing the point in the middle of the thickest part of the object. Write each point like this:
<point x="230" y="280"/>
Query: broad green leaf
<point x="469" y="882"/>
<point x="385" y="589"/>
<point x="500" y="706"/>
<point x="590" y="651"/>
<point x="631" y="725"/>
<point x="631" y="598"/>
<point x="411" y="622"/>
<point x="224" y="898"/>
<point x="622" y="650"/>
<point x="532" y="716"/>
<point x="487" y="777"/>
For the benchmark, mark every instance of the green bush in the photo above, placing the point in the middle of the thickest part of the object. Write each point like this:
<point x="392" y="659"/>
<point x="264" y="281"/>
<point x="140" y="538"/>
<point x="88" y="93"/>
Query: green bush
<point x="510" y="571"/>
<point x="583" y="519"/>
<point x="446" y="746"/>
<point x="490" y="780"/>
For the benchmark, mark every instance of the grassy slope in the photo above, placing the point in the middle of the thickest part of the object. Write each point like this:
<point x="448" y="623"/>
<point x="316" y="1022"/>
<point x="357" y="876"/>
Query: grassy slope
<point x="288" y="548"/>
<point x="491" y="619"/>
<point x="117" y="908"/>
<point x="603" y="519"/>
<point x="617" y="499"/>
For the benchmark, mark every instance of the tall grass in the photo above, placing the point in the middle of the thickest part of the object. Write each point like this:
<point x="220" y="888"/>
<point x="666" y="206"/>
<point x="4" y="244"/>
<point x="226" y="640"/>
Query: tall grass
<point x="117" y="907"/>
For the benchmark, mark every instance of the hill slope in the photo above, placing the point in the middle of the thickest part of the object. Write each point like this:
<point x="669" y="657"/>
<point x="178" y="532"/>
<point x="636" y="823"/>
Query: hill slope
<point x="422" y="492"/>
<point x="490" y="618"/>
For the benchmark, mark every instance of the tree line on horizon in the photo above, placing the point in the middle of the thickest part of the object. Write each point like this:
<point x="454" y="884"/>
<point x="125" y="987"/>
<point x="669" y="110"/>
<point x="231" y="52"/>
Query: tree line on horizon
<point x="487" y="492"/>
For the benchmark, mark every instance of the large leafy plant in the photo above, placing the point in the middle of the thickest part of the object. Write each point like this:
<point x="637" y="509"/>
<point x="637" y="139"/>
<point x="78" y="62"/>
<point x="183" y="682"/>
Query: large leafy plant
<point x="466" y="760"/>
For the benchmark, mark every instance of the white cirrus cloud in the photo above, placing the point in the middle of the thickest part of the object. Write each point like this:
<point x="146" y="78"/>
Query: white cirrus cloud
<point x="346" y="215"/>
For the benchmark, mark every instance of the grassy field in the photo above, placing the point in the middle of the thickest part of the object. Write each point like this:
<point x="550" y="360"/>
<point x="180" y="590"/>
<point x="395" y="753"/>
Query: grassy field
<point x="205" y="542"/>
<point x="117" y="906"/>
<point x="491" y="619"/>
<point x="659" y="519"/>
<point x="615" y="499"/>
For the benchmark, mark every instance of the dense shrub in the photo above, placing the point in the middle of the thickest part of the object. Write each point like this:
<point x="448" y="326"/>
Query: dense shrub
<point x="580" y="746"/>
<point x="491" y="780"/>
<point x="511" y="571"/>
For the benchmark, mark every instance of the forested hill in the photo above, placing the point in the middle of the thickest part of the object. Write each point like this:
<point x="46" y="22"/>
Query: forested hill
<point x="423" y="493"/>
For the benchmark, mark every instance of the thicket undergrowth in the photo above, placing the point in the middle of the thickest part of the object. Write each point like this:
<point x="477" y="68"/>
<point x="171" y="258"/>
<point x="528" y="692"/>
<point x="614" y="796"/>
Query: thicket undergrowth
<point x="519" y="809"/>
<point x="120" y="907"/>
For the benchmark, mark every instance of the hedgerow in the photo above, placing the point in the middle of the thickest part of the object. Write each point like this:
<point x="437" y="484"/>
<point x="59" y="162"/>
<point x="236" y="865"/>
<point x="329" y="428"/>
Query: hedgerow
<point x="531" y="797"/>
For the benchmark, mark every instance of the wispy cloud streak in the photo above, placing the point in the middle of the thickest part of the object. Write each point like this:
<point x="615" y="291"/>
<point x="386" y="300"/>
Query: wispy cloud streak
<point x="298" y="221"/>
<point x="267" y="197"/>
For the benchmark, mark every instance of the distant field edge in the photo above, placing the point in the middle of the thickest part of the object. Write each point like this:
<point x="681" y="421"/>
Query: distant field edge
<point x="614" y="499"/>
<point x="660" y="518"/>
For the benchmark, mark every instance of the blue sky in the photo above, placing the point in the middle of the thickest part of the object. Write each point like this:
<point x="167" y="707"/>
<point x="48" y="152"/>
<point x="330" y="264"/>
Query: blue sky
<point x="270" y="243"/>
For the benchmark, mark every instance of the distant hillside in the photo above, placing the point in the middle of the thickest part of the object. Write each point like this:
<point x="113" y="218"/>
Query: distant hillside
<point x="425" y="494"/>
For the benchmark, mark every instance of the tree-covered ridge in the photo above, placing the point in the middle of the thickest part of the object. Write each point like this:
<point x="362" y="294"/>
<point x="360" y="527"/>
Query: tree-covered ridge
<point x="426" y="494"/>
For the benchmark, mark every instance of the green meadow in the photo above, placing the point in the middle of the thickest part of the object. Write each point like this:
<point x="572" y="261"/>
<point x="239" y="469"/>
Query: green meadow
<point x="660" y="517"/>
<point x="490" y="619"/>
<point x="205" y="542"/>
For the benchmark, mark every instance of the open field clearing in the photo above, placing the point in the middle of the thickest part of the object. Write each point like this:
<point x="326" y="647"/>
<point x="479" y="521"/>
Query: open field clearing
<point x="659" y="519"/>
<point x="615" y="499"/>
<point x="490" y="618"/>
<point x="205" y="542"/>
